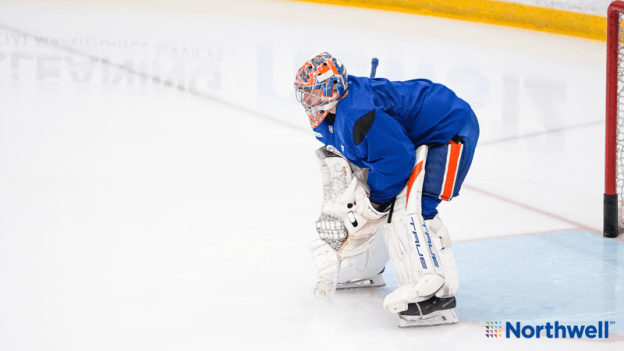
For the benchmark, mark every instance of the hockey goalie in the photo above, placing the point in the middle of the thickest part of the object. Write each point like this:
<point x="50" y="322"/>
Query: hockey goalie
<point x="392" y="152"/>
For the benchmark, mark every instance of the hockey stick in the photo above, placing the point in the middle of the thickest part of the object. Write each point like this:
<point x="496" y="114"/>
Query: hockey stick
<point x="374" y="63"/>
<point x="324" y="290"/>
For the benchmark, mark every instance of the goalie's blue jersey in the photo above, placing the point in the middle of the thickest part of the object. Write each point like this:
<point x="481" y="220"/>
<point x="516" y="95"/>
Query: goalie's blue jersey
<point x="380" y="123"/>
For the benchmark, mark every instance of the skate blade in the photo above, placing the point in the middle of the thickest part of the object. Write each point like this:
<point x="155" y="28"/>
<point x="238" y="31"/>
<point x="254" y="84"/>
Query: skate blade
<point x="436" y="318"/>
<point x="374" y="282"/>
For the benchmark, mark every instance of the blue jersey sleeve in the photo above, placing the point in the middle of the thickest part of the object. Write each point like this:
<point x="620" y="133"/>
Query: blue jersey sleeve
<point x="387" y="151"/>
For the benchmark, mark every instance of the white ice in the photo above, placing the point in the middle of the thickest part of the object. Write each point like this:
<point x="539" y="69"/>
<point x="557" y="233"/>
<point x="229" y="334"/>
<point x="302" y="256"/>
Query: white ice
<point x="158" y="185"/>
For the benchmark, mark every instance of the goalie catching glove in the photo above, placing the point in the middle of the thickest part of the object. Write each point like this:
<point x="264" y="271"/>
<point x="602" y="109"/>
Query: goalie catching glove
<point x="349" y="222"/>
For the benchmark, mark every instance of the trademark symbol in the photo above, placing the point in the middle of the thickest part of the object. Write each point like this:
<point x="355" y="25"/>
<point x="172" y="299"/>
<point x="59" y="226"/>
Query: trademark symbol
<point x="611" y="322"/>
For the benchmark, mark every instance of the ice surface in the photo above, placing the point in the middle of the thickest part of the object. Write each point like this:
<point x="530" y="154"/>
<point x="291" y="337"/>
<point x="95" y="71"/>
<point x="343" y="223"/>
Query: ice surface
<point x="158" y="185"/>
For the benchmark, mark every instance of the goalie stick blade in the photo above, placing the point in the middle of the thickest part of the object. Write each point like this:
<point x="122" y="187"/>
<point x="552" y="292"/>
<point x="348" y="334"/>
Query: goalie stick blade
<point x="324" y="291"/>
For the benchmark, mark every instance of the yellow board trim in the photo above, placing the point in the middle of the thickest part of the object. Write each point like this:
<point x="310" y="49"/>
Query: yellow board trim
<point x="493" y="12"/>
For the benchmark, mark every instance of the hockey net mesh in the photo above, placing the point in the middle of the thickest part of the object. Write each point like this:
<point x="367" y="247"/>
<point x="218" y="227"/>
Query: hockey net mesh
<point x="620" y="122"/>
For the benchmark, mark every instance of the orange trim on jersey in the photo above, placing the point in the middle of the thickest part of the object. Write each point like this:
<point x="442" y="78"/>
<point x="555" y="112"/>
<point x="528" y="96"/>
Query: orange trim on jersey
<point x="415" y="172"/>
<point x="452" y="165"/>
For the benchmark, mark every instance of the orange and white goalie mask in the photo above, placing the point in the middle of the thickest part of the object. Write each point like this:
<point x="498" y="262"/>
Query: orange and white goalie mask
<point x="320" y="83"/>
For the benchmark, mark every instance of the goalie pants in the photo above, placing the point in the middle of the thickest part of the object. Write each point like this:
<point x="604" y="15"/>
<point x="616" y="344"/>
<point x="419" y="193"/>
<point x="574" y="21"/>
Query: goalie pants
<point x="447" y="166"/>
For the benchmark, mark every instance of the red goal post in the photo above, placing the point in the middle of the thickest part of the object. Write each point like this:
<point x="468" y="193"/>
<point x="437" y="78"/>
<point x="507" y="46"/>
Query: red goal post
<point x="614" y="140"/>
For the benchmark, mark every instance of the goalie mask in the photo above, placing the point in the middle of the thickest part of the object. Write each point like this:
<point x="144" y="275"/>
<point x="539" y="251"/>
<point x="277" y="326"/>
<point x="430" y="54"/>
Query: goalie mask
<point x="320" y="83"/>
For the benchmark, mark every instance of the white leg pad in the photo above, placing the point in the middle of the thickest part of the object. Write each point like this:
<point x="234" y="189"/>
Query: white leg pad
<point x="360" y="271"/>
<point x="442" y="241"/>
<point x="422" y="290"/>
<point x="405" y="258"/>
<point x="420" y="250"/>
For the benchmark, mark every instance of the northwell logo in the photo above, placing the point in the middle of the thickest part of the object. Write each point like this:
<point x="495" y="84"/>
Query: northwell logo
<point x="556" y="330"/>
<point x="493" y="330"/>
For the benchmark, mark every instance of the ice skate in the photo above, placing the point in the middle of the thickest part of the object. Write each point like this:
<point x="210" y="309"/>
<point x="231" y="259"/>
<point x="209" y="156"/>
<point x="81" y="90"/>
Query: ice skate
<point x="428" y="313"/>
<point x="374" y="282"/>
